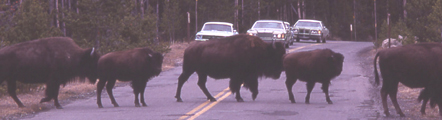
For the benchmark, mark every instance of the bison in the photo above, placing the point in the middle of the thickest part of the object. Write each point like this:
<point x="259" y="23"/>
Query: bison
<point x="415" y="66"/>
<point x="137" y="65"/>
<point x="319" y="65"/>
<point x="242" y="58"/>
<point x="54" y="61"/>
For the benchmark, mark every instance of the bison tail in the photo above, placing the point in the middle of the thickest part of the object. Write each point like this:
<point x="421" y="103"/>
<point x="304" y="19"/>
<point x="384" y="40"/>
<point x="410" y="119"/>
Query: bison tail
<point x="376" y="75"/>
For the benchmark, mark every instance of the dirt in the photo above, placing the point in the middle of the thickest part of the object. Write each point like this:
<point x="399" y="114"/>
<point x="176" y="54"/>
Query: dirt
<point x="72" y="91"/>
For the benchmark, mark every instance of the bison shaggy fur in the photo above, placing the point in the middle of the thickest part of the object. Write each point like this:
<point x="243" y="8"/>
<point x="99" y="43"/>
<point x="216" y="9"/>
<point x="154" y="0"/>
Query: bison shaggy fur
<point x="53" y="61"/>
<point x="415" y="66"/>
<point x="319" y="65"/>
<point x="242" y="58"/>
<point x="137" y="65"/>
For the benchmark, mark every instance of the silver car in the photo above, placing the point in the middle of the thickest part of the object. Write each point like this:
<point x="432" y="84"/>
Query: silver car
<point x="310" y="29"/>
<point x="215" y="30"/>
<point x="272" y="31"/>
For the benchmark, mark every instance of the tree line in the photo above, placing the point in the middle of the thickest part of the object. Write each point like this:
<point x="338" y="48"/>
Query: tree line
<point x="112" y="25"/>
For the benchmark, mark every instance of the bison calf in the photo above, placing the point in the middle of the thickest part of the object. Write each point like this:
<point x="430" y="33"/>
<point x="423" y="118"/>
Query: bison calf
<point x="137" y="65"/>
<point x="319" y="65"/>
<point x="54" y="61"/>
<point x="415" y="66"/>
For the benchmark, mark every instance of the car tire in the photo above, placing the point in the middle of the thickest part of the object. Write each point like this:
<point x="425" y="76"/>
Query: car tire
<point x="318" y="40"/>
<point x="287" y="45"/>
<point x="297" y="40"/>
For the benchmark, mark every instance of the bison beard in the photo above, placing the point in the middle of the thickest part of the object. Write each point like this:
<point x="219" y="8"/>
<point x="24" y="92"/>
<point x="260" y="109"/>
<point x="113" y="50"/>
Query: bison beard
<point x="54" y="61"/>
<point x="414" y="66"/>
<point x="137" y="65"/>
<point x="242" y="58"/>
<point x="320" y="65"/>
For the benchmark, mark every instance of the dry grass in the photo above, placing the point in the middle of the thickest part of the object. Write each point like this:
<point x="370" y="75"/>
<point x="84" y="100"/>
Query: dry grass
<point x="72" y="91"/>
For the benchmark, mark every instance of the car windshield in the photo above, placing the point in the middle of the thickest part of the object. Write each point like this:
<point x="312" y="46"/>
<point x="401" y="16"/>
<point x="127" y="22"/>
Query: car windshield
<point x="217" y="27"/>
<point x="268" y="25"/>
<point x="308" y="24"/>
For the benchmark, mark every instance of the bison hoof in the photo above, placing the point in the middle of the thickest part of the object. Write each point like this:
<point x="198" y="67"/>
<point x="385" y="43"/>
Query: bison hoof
<point x="179" y="100"/>
<point x="58" y="107"/>
<point x="293" y="101"/>
<point x="240" y="100"/>
<point x="144" y="105"/>
<point x="211" y="99"/>
<point x="45" y="100"/>
<point x="330" y="102"/>
<point x="307" y="102"/>
<point x="137" y="105"/>
<point x="116" y="105"/>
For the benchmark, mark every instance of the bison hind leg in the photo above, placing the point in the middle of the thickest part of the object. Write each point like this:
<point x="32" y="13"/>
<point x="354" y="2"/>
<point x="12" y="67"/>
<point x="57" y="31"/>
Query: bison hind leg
<point x="290" y="81"/>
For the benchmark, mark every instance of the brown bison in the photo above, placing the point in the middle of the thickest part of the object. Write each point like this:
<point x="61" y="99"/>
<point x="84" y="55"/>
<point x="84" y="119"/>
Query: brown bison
<point x="137" y="65"/>
<point x="242" y="58"/>
<point x="319" y="65"/>
<point x="414" y="66"/>
<point x="54" y="61"/>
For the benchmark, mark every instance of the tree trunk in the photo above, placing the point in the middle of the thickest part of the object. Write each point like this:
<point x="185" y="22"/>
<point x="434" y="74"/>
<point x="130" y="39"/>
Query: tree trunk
<point x="156" y="41"/>
<point x="299" y="11"/>
<point x="405" y="10"/>
<point x="56" y="14"/>
<point x="303" y="10"/>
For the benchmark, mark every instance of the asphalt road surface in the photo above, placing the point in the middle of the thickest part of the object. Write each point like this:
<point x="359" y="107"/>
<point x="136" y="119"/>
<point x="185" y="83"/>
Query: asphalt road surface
<point x="350" y="93"/>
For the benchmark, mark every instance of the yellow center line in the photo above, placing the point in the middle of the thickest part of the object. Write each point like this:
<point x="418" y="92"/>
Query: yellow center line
<point x="203" y="104"/>
<point x="209" y="106"/>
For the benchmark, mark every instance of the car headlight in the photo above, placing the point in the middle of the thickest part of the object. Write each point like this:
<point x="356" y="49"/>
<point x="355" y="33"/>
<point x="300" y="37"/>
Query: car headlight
<point x="279" y="36"/>
<point x="198" y="37"/>
<point x="251" y="34"/>
<point x="315" y="32"/>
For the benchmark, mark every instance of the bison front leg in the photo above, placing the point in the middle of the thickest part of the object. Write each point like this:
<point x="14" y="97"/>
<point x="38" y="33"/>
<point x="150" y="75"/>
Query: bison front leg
<point x="100" y="86"/>
<point x="202" y="79"/>
<point x="11" y="90"/>
<point x="181" y="80"/>
<point x="310" y="86"/>
<point x="235" y="86"/>
<point x="52" y="93"/>
<point x="253" y="86"/>
<point x="324" y="88"/>
<point x="142" y="88"/>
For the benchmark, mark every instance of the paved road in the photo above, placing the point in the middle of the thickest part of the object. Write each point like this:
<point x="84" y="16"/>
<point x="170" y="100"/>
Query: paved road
<point x="349" y="93"/>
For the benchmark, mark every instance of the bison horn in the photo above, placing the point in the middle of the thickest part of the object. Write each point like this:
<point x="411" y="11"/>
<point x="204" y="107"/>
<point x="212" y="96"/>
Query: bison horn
<point x="92" y="52"/>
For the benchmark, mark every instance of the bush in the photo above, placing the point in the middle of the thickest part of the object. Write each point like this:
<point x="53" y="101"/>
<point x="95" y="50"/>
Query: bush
<point x="400" y="28"/>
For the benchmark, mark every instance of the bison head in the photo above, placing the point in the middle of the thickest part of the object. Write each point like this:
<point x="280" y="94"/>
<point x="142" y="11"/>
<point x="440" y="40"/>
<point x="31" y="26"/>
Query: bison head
<point x="156" y="60"/>
<point x="337" y="60"/>
<point x="273" y="66"/>
<point x="88" y="64"/>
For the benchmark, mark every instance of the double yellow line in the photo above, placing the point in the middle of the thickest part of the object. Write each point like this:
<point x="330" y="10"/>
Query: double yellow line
<point x="204" y="107"/>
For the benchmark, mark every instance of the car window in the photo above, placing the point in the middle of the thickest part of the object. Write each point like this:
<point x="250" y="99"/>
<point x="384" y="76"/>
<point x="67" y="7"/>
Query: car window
<point x="217" y="27"/>
<point x="268" y="25"/>
<point x="308" y="24"/>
